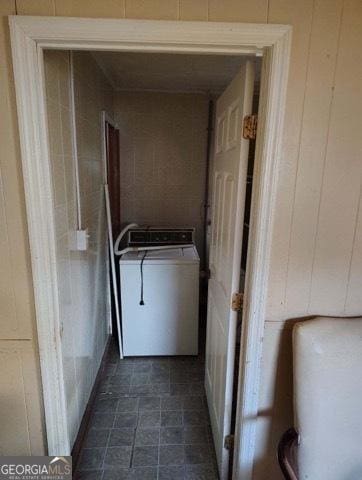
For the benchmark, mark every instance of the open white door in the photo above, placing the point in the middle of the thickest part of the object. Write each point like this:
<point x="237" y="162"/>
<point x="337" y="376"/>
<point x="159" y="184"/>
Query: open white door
<point x="229" y="184"/>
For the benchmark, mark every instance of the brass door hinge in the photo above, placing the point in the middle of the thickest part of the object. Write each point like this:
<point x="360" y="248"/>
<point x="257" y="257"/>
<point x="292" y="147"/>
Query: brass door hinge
<point x="229" y="442"/>
<point x="237" y="301"/>
<point x="250" y="124"/>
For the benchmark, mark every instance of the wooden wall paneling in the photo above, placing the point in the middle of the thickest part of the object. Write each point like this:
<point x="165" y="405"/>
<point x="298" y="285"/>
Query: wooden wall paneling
<point x="152" y="9"/>
<point x="35" y="7"/>
<point x="17" y="311"/>
<point x="342" y="178"/>
<point x="312" y="152"/>
<point x="7" y="7"/>
<point x="20" y="416"/>
<point x="191" y="10"/>
<point x="354" y="289"/>
<point x="299" y="15"/>
<point x="238" y="11"/>
<point x="33" y="397"/>
<point x="87" y="8"/>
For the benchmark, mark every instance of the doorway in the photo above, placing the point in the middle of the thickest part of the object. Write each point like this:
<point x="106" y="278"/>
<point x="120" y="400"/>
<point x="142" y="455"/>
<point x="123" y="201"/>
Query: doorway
<point x="273" y="91"/>
<point x="164" y="146"/>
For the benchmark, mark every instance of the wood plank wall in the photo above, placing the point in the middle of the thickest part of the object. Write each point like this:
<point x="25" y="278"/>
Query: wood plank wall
<point x="316" y="253"/>
<point x="317" y="240"/>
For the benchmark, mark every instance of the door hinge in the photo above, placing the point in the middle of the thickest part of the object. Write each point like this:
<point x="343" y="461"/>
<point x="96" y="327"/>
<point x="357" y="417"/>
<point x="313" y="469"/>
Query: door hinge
<point x="208" y="274"/>
<point x="237" y="301"/>
<point x="229" y="442"/>
<point x="250" y="125"/>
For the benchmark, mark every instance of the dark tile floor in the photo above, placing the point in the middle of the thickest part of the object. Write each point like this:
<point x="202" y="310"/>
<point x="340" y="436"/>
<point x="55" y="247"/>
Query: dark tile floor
<point x="150" y="422"/>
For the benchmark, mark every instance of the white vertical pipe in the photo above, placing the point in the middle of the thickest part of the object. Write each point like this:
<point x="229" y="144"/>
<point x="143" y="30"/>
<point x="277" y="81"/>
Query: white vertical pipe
<point x="74" y="142"/>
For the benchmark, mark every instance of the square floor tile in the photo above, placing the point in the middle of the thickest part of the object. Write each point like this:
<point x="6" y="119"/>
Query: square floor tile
<point x="171" y="418"/>
<point x="160" y="368"/>
<point x="209" y="433"/>
<point x="124" y="369"/>
<point x="194" y="417"/>
<point x="117" y="457"/>
<point x="88" y="475"/>
<point x="97" y="437"/>
<point x="197" y="389"/>
<point x="196" y="375"/>
<point x="102" y="420"/>
<point x="172" y="455"/>
<point x="128" y="404"/>
<point x="179" y="388"/>
<point x="177" y="365"/>
<point x="171" y="472"/>
<point x="142" y="367"/>
<point x="142" y="473"/>
<point x="195" y="454"/>
<point x="159" y="361"/>
<point x="106" y="405"/>
<point x="145" y="456"/>
<point x="115" y="474"/>
<point x="195" y="434"/>
<point x="147" y="436"/>
<point x="121" y="437"/>
<point x="162" y="388"/>
<point x="149" y="403"/>
<point x="139" y="378"/>
<point x="125" y="420"/>
<point x="103" y="384"/>
<point x="193" y="402"/>
<point x="102" y="395"/>
<point x="171" y="436"/>
<point x="173" y="402"/>
<point x="200" y="472"/>
<point x="180" y="376"/>
<point x="91" y="459"/>
<point x="127" y="416"/>
<point x="120" y="379"/>
<point x="109" y="369"/>
<point x="140" y="389"/>
<point x="118" y="389"/>
<point x="149" y="418"/>
<point x="159" y="377"/>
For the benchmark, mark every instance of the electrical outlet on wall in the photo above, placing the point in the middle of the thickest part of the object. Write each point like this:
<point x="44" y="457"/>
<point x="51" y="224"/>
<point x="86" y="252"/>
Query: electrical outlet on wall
<point x="78" y="240"/>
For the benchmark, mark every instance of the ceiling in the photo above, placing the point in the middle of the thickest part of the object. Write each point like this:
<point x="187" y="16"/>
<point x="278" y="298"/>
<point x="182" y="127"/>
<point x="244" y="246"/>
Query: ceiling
<point x="169" y="72"/>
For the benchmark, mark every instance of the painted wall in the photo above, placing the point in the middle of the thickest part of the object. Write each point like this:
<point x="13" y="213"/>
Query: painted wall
<point x="316" y="250"/>
<point x="82" y="274"/>
<point x="163" y="158"/>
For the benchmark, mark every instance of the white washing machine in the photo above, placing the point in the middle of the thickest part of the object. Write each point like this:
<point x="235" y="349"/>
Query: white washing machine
<point x="160" y="301"/>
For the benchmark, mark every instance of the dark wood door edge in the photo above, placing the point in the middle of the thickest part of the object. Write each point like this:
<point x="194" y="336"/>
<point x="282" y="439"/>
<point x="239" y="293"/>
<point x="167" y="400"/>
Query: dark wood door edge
<point x="87" y="413"/>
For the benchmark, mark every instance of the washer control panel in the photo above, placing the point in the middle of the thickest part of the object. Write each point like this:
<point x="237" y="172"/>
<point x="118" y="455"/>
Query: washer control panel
<point x="152" y="236"/>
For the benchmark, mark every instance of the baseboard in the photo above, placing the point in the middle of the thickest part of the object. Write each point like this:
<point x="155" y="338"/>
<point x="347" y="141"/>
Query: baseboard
<point x="87" y="413"/>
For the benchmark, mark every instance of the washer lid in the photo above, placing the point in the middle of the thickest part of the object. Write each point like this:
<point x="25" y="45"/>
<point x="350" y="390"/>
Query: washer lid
<point x="169" y="256"/>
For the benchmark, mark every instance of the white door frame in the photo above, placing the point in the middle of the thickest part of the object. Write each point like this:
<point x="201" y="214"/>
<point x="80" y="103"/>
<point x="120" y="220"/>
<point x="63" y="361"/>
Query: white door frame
<point x="29" y="37"/>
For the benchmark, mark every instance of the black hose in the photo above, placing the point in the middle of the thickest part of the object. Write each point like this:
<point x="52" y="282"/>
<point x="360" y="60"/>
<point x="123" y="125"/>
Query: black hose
<point x="141" y="268"/>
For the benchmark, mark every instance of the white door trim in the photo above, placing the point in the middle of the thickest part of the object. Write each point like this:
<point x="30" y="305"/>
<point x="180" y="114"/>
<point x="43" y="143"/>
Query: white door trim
<point x="29" y="36"/>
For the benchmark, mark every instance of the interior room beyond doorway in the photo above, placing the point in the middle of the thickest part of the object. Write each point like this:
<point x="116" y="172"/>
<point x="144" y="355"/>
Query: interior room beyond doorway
<point x="161" y="104"/>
